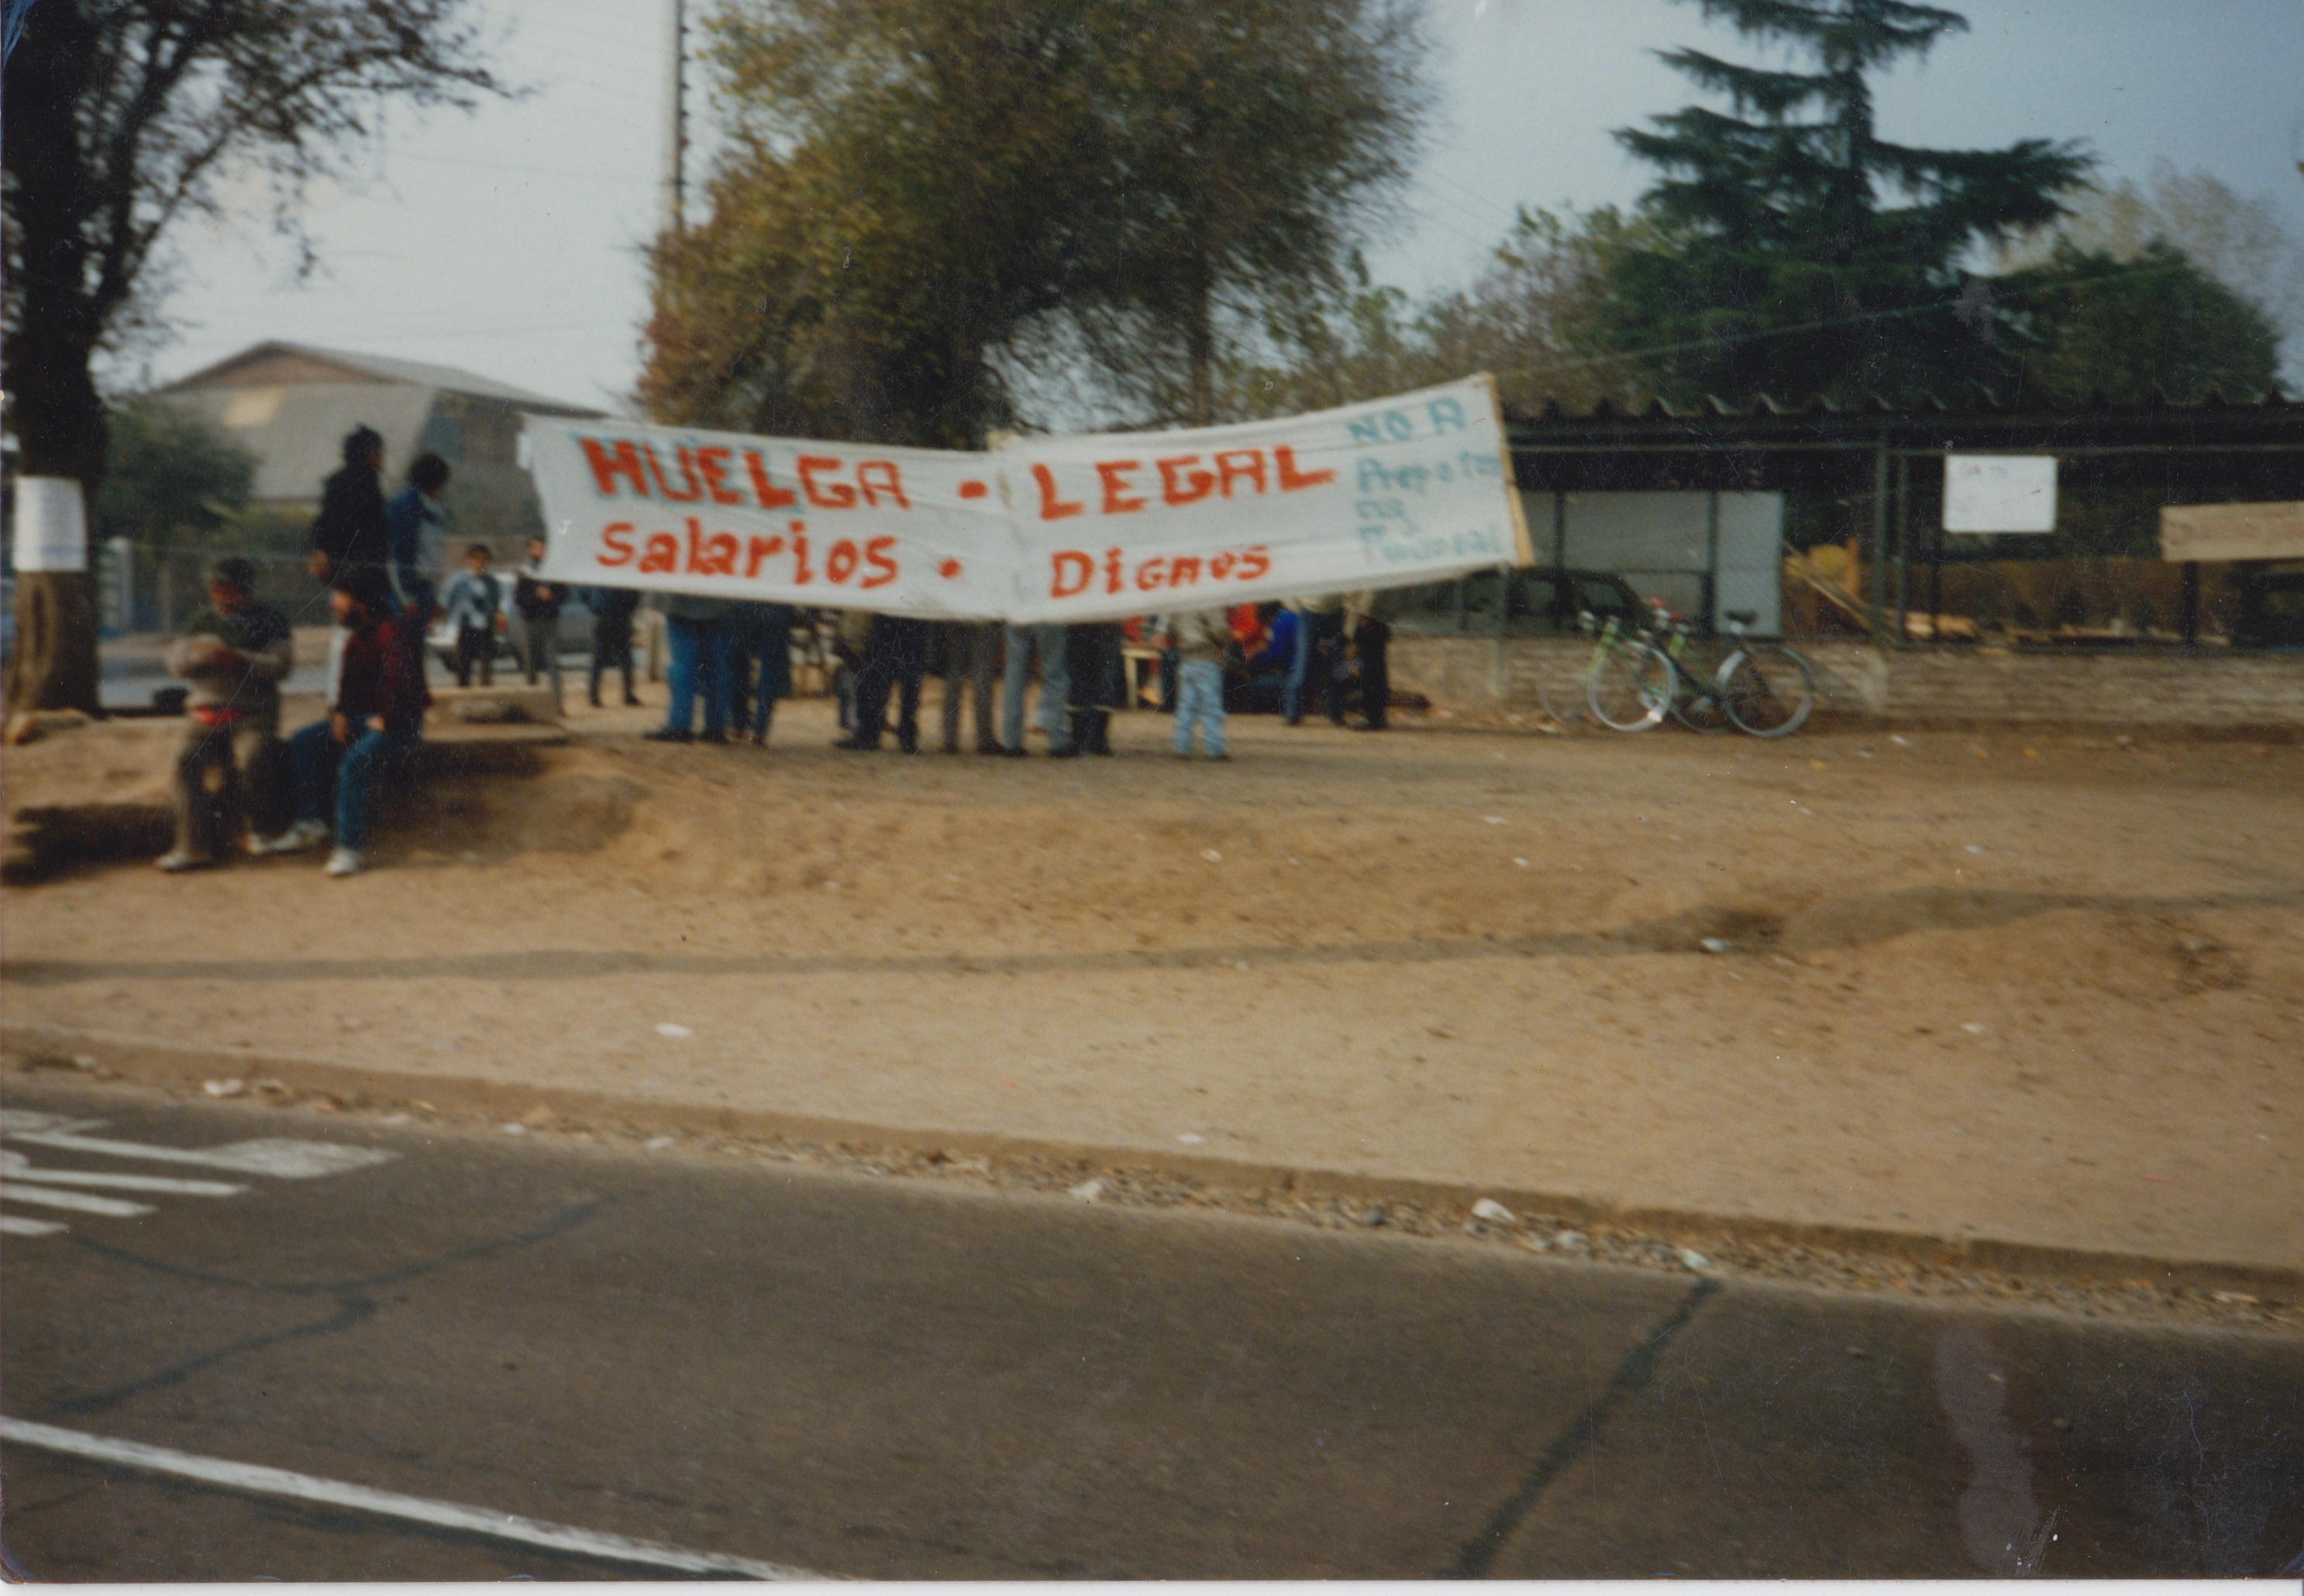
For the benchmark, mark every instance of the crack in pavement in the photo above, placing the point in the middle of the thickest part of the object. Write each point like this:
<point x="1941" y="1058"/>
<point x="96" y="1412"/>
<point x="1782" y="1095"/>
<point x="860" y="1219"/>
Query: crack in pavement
<point x="1478" y="1555"/>
<point x="566" y="1220"/>
<point x="353" y="1308"/>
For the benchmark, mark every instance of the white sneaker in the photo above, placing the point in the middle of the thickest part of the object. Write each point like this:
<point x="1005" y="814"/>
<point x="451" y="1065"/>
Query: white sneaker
<point x="344" y="861"/>
<point x="297" y="837"/>
<point x="176" y="860"/>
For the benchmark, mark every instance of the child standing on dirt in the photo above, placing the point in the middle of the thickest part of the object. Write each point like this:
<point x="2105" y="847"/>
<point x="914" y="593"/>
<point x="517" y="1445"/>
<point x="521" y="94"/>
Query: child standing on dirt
<point x="538" y="603"/>
<point x="1199" y="638"/>
<point x="474" y="604"/>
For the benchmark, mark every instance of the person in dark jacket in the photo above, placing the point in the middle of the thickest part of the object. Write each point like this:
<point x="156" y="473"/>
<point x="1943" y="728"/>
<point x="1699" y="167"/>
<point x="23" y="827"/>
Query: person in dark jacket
<point x="895" y="661"/>
<point x="1096" y="676"/>
<point x="416" y="526"/>
<point x="538" y="603"/>
<point x="352" y="527"/>
<point x="761" y="632"/>
<point x="612" y="608"/>
<point x="377" y="714"/>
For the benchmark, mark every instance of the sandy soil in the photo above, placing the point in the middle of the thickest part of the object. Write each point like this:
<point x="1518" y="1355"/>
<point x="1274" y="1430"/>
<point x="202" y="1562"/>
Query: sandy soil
<point x="2045" y="989"/>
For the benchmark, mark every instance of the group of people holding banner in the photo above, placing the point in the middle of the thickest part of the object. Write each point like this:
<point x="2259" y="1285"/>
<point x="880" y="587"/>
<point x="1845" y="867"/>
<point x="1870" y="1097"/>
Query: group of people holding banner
<point x="723" y="652"/>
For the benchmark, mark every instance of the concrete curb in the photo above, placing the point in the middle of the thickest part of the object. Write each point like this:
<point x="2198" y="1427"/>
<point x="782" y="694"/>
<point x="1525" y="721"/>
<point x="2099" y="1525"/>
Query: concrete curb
<point x="145" y="1061"/>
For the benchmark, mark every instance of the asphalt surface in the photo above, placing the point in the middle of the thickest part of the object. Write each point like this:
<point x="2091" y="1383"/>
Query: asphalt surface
<point x="905" y="1378"/>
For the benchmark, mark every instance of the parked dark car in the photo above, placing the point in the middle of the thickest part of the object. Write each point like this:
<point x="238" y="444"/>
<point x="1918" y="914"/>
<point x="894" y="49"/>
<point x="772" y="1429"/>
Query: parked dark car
<point x="1538" y="601"/>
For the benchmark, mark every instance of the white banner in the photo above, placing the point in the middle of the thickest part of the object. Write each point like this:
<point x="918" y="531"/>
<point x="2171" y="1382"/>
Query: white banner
<point x="51" y="531"/>
<point x="847" y="525"/>
<point x="1412" y="489"/>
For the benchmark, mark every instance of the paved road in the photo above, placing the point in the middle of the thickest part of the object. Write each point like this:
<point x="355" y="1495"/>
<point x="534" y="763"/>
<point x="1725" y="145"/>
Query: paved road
<point x="889" y="1378"/>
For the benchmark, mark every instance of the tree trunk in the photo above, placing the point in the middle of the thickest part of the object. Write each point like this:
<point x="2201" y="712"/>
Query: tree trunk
<point x="61" y="429"/>
<point x="57" y="414"/>
<point x="1200" y="352"/>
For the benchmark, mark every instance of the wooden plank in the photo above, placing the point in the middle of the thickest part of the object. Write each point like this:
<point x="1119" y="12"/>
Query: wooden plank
<point x="2231" y="531"/>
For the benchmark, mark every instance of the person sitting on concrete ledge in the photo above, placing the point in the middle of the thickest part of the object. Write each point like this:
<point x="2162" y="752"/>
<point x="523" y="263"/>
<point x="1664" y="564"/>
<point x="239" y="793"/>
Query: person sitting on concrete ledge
<point x="378" y="714"/>
<point x="235" y="654"/>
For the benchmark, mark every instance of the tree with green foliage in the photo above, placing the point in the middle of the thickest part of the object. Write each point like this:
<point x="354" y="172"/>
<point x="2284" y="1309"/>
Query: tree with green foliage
<point x="121" y="119"/>
<point x="2098" y="327"/>
<point x="2235" y="243"/>
<point x="1799" y="252"/>
<point x="176" y="487"/>
<point x="917" y="198"/>
<point x="1531" y="318"/>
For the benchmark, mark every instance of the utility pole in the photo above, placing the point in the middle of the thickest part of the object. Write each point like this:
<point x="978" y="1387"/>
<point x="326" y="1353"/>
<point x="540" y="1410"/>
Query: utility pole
<point x="675" y="117"/>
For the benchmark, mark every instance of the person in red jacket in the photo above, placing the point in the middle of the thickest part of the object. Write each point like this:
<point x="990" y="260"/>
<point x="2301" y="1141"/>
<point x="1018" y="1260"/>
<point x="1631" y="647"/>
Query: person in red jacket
<point x="377" y="714"/>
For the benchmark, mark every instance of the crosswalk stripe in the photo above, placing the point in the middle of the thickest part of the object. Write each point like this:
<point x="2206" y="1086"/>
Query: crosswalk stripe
<point x="40" y="1197"/>
<point x="283" y="1158"/>
<point x="10" y="1225"/>
<point x="15" y="1166"/>
<point x="390" y="1503"/>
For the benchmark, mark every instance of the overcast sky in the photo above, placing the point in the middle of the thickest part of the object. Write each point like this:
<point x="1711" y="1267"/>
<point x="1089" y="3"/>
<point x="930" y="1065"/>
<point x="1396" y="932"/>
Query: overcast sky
<point x="507" y="241"/>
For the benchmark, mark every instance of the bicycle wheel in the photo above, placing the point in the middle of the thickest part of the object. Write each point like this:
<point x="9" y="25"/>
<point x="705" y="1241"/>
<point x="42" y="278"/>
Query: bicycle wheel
<point x="1701" y="705"/>
<point x="1561" y="686"/>
<point x="1632" y="688"/>
<point x="1769" y="691"/>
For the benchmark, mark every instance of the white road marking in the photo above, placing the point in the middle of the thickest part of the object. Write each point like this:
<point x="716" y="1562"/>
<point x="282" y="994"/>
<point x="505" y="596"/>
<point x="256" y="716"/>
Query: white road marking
<point x="280" y="1157"/>
<point x="40" y="1197"/>
<point x="390" y="1503"/>
<point x="15" y="1166"/>
<point x="22" y="1121"/>
<point x="10" y="1225"/>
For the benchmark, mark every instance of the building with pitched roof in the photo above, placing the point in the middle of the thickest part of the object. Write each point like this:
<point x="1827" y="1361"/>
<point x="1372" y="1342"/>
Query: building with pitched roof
<point x="290" y="405"/>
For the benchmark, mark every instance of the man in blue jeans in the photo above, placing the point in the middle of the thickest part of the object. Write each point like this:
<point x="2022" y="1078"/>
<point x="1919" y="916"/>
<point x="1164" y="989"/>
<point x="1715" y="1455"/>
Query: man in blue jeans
<point x="378" y="714"/>
<point x="1055" y="687"/>
<point x="698" y="631"/>
<point x="1320" y="636"/>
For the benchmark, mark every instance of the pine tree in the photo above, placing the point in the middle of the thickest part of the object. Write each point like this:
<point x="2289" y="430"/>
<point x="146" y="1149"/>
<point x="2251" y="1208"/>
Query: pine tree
<point x="1803" y="253"/>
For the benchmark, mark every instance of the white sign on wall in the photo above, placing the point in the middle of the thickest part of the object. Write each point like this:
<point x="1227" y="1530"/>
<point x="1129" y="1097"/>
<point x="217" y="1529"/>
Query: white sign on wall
<point x="51" y="531"/>
<point x="2000" y="493"/>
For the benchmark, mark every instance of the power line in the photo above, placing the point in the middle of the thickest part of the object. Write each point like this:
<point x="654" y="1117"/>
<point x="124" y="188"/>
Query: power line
<point x="1938" y="308"/>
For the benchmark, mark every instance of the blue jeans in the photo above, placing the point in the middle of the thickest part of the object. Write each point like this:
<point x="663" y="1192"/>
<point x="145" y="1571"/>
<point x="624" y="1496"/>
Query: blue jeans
<point x="1055" y="685"/>
<point x="350" y="772"/>
<point x="1292" y="696"/>
<point x="1199" y="698"/>
<point x="699" y="664"/>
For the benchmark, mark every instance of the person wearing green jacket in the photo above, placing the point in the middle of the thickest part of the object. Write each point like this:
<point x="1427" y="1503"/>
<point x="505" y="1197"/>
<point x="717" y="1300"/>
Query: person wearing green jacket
<point x="234" y="657"/>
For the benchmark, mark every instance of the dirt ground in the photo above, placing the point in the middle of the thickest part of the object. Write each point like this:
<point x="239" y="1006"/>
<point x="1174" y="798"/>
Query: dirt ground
<point x="2042" y="988"/>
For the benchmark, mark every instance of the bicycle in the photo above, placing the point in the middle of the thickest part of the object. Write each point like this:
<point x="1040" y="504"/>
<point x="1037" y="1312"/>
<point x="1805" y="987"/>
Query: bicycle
<point x="1627" y="685"/>
<point x="1762" y="688"/>
<point x="1697" y="701"/>
<point x="1766" y="688"/>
